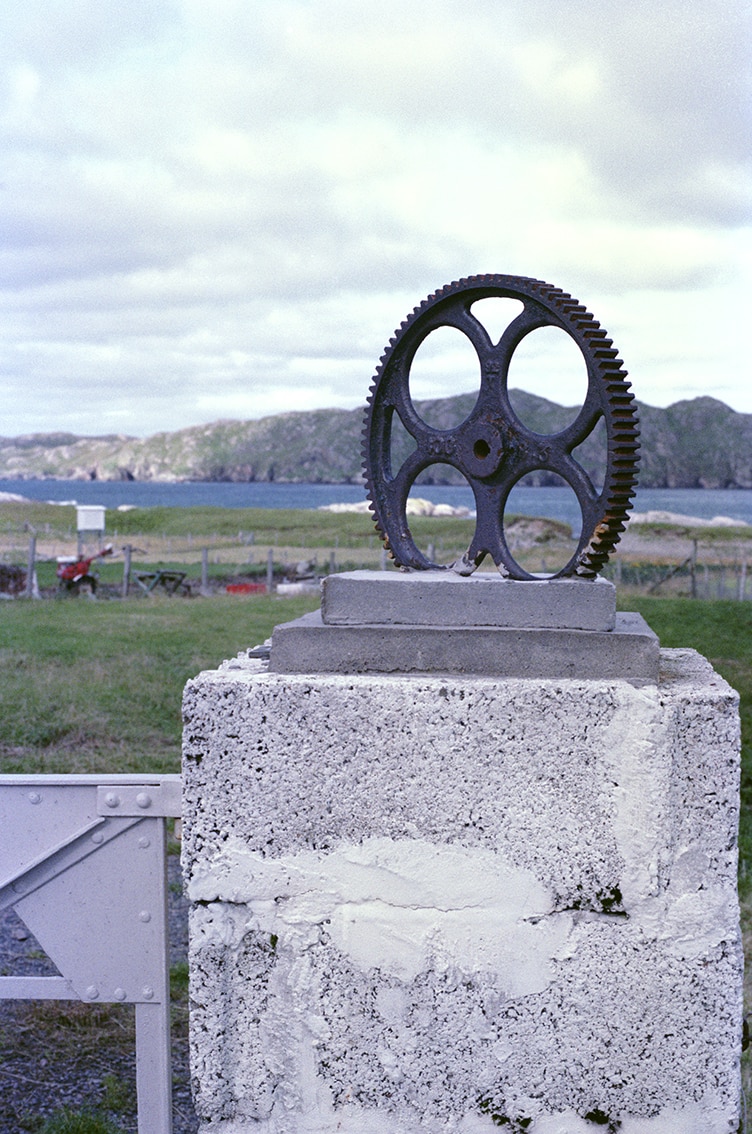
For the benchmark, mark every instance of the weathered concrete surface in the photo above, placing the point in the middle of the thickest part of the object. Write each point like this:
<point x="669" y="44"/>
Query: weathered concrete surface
<point x="441" y="598"/>
<point x="428" y="904"/>
<point x="308" y="645"/>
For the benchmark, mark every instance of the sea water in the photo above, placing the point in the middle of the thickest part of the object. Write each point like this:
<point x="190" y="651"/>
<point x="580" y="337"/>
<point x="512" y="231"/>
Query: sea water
<point x="556" y="503"/>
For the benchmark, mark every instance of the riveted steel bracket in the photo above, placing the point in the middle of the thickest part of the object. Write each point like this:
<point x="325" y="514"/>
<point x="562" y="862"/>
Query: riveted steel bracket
<point x="83" y="864"/>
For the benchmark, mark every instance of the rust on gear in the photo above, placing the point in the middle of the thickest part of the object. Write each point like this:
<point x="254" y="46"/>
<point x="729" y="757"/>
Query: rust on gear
<point x="492" y="448"/>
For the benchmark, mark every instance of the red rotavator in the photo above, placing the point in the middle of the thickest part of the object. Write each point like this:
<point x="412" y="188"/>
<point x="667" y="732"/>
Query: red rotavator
<point x="74" y="574"/>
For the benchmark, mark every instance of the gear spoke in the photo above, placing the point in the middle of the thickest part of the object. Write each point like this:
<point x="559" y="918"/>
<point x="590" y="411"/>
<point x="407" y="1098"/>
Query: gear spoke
<point x="496" y="359"/>
<point x="410" y="468"/>
<point x="487" y="535"/>
<point x="462" y="319"/>
<point x="492" y="448"/>
<point x="529" y="319"/>
<point x="397" y="397"/>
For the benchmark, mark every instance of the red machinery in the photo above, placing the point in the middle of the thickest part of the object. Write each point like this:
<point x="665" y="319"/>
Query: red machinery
<point x="74" y="574"/>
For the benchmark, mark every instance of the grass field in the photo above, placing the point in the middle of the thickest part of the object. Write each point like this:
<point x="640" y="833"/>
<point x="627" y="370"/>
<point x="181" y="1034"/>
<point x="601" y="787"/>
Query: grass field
<point x="276" y="527"/>
<point x="96" y="686"/>
<point x="237" y="541"/>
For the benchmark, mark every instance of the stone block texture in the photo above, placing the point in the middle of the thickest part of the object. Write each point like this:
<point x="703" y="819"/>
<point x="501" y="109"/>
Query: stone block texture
<point x="455" y="904"/>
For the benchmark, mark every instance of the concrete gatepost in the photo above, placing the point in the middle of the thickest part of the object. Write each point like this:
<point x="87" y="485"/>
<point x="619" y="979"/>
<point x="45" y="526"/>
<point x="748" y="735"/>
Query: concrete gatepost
<point x="462" y="855"/>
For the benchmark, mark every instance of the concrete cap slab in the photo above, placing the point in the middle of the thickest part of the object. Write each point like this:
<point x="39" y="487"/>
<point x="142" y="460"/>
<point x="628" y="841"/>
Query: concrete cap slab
<point x="441" y="598"/>
<point x="630" y="652"/>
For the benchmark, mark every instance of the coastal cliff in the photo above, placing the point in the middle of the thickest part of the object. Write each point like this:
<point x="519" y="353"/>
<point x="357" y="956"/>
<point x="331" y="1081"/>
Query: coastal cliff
<point x="699" y="443"/>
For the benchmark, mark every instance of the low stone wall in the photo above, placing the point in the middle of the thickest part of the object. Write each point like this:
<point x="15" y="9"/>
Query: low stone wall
<point x="457" y="903"/>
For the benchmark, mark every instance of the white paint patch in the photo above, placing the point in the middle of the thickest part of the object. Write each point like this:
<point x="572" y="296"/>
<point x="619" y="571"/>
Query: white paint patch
<point x="640" y="788"/>
<point x="353" y="1120"/>
<point x="692" y="924"/>
<point x="693" y="1119"/>
<point x="694" y="913"/>
<point x="402" y="906"/>
<point x="565" y="1123"/>
<point x="697" y="1118"/>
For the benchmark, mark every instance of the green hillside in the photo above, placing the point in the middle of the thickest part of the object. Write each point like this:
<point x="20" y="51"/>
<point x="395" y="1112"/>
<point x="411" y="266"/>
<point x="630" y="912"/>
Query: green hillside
<point x="700" y="443"/>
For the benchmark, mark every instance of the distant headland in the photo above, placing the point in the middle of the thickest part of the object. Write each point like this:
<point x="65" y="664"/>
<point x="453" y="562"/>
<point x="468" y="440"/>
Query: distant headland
<point x="698" y="443"/>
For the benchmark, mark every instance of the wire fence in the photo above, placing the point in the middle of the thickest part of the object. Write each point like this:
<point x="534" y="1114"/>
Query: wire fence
<point x="703" y="574"/>
<point x="186" y="567"/>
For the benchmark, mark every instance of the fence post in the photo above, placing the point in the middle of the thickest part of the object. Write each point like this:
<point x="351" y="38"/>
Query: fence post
<point x="126" y="569"/>
<point x="30" y="566"/>
<point x="153" y="1056"/>
<point x="269" y="571"/>
<point x="204" y="570"/>
<point x="742" y="580"/>
<point x="693" y="568"/>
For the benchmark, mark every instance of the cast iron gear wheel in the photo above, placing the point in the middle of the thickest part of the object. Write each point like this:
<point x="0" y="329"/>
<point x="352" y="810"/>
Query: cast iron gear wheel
<point x="492" y="448"/>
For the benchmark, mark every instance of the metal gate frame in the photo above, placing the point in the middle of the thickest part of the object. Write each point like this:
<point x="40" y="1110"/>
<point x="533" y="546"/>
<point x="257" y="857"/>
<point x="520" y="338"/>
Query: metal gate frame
<point x="83" y="863"/>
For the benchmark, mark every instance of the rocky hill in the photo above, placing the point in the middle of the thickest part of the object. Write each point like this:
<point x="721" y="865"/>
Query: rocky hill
<point x="700" y="443"/>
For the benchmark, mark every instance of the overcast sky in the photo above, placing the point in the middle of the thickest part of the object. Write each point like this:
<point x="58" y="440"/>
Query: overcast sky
<point x="223" y="208"/>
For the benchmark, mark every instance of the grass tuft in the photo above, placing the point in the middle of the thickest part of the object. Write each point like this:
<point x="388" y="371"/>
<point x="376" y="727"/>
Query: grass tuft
<point x="78" y="1122"/>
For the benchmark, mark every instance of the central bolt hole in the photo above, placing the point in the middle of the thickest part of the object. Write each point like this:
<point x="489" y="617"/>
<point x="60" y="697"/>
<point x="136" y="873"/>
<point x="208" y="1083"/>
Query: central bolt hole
<point x="481" y="449"/>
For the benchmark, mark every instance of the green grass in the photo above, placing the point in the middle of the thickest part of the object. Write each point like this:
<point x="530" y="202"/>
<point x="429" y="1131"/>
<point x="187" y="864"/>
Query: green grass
<point x="293" y="527"/>
<point x="702" y="534"/>
<point x="68" y="1121"/>
<point x="96" y="687"/>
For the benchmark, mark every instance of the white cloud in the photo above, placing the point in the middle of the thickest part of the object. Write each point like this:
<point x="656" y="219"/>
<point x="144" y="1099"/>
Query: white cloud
<point x="229" y="205"/>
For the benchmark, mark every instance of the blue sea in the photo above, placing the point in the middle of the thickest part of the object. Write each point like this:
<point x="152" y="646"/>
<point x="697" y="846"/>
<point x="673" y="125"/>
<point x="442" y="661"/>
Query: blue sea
<point x="557" y="503"/>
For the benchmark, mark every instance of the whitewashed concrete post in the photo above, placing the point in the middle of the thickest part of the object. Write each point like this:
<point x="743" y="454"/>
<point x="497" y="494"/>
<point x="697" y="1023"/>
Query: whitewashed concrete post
<point x="472" y="866"/>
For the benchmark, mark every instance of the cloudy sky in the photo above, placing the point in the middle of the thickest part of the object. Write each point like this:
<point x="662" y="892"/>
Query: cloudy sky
<point x="223" y="208"/>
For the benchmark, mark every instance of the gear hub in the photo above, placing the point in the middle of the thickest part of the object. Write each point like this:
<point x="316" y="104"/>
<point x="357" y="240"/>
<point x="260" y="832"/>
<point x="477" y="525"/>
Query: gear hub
<point x="492" y="448"/>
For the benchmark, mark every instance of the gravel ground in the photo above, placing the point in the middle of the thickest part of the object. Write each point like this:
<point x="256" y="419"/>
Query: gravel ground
<point x="56" y="1054"/>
